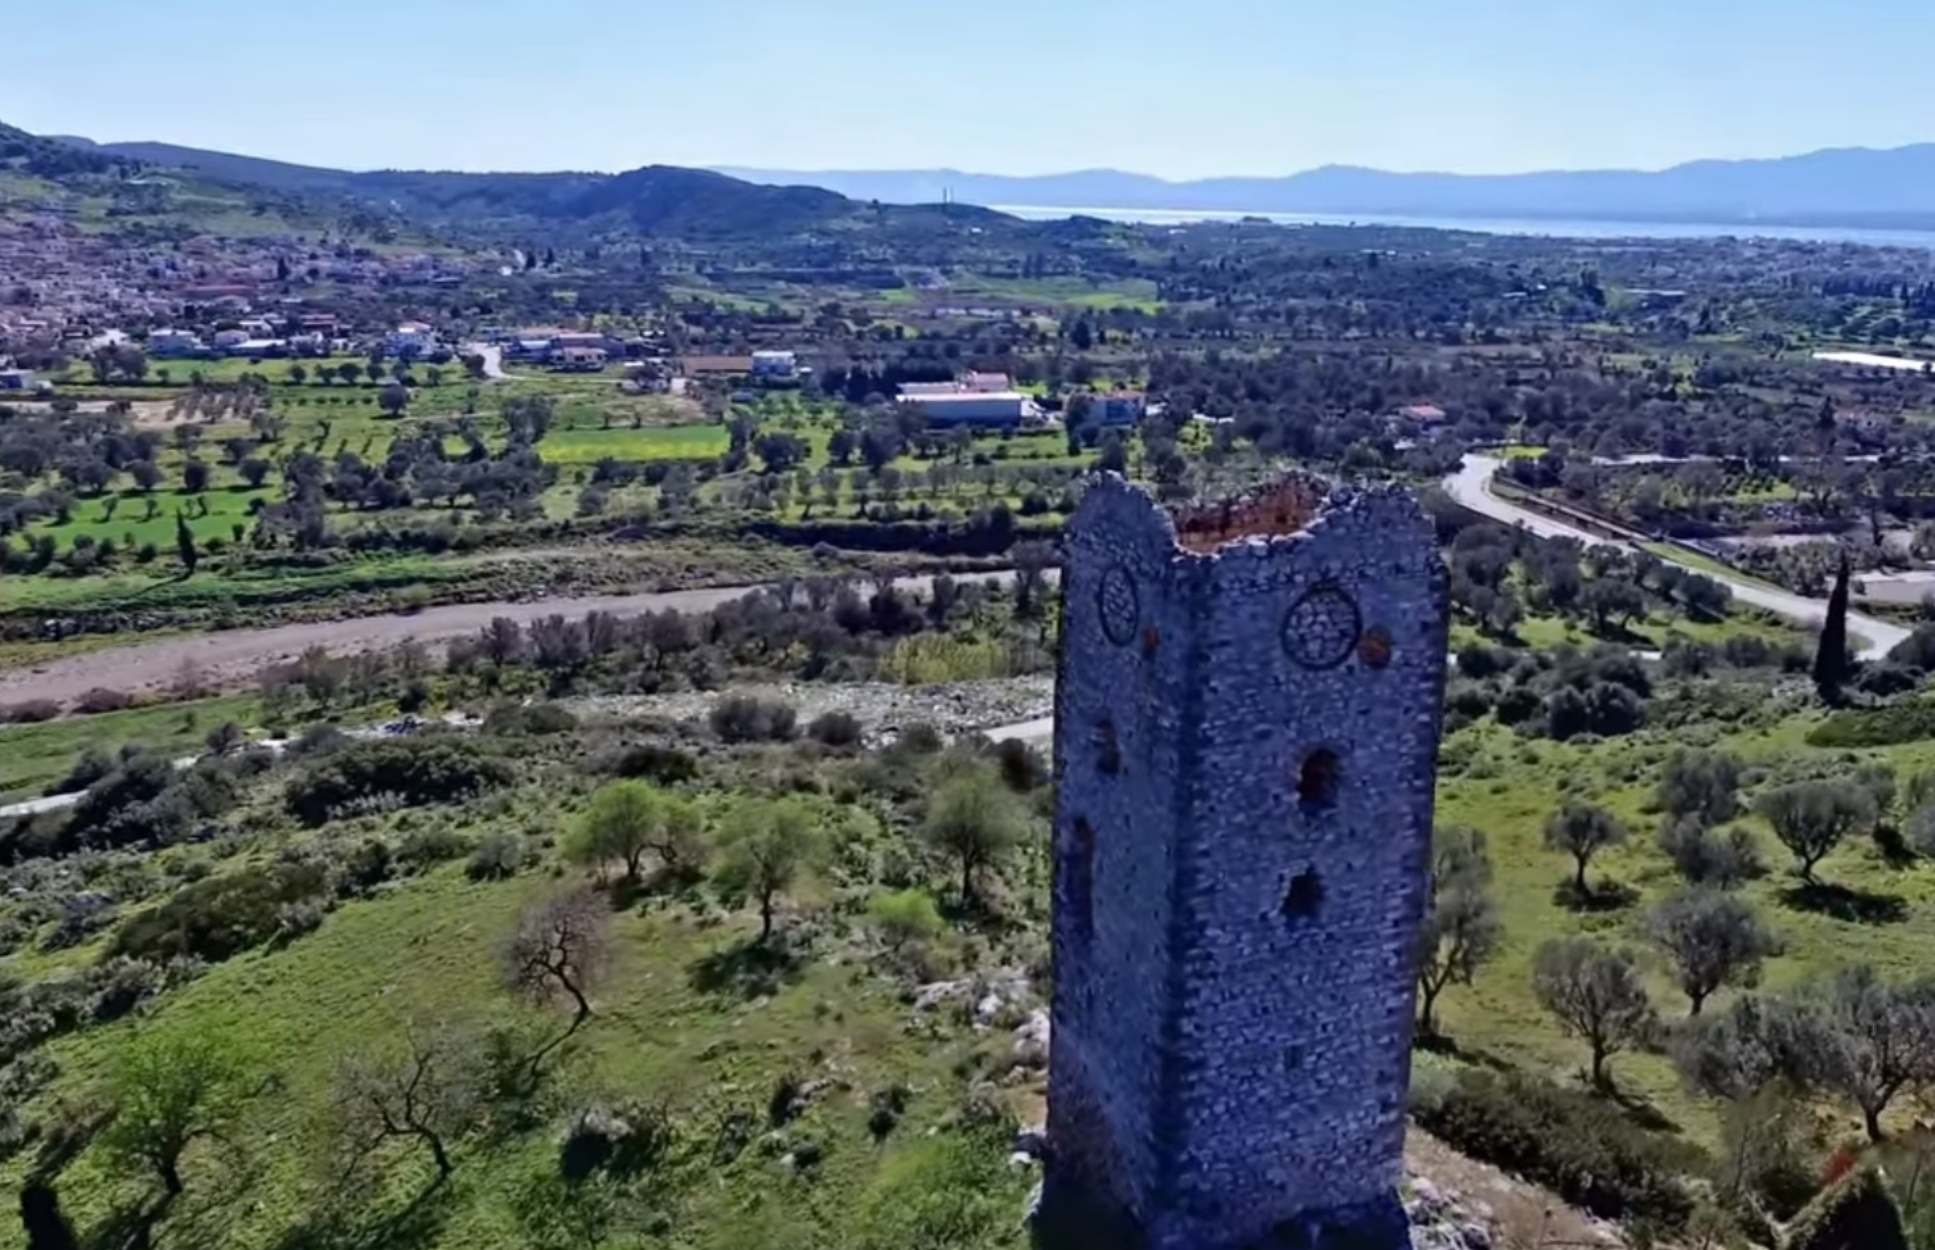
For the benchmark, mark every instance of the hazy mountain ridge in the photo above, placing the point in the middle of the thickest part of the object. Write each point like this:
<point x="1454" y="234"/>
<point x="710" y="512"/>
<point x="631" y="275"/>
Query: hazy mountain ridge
<point x="1841" y="186"/>
<point x="655" y="199"/>
<point x="1854" y="186"/>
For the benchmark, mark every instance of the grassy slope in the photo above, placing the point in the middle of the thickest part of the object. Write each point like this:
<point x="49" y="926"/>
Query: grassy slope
<point x="31" y="756"/>
<point x="1517" y="784"/>
<point x="427" y="954"/>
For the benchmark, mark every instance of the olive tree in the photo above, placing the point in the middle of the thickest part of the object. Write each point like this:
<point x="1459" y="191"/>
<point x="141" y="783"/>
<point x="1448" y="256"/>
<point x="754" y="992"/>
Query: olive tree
<point x="1812" y="817"/>
<point x="1862" y="1038"/>
<point x="1582" y="831"/>
<point x="1701" y="784"/>
<point x="628" y="819"/>
<point x="1597" y="995"/>
<point x="172" y="1090"/>
<point x="1461" y="930"/>
<point x="976" y="821"/>
<point x="1712" y="940"/>
<point x="764" y="849"/>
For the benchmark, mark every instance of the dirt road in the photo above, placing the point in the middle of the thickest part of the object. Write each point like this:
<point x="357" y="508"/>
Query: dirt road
<point x="232" y="657"/>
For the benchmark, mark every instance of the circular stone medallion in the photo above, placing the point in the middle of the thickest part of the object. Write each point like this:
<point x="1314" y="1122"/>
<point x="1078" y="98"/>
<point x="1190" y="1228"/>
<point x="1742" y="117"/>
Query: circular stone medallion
<point x="1118" y="606"/>
<point x="1322" y="629"/>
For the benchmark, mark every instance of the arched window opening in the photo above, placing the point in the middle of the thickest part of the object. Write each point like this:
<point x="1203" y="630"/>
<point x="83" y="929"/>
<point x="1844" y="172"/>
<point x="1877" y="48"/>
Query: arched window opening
<point x="1317" y="778"/>
<point x="1304" y="897"/>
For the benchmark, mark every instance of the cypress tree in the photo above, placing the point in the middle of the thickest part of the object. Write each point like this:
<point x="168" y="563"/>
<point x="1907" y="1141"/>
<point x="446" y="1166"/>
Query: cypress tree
<point x="185" y="543"/>
<point x="1831" y="659"/>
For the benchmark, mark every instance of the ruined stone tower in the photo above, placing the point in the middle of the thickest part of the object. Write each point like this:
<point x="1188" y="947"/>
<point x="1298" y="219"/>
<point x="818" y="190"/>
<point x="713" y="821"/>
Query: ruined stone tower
<point x="1246" y="728"/>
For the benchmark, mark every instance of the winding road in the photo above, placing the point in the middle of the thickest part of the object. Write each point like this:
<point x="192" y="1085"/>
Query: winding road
<point x="232" y="657"/>
<point x="1472" y="487"/>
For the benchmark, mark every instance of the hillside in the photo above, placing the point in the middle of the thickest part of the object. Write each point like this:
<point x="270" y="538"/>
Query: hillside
<point x="656" y="199"/>
<point x="39" y="157"/>
<point x="1851" y="186"/>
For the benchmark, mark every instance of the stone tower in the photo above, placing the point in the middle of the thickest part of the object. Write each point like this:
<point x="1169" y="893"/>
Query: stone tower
<point x="1246" y="731"/>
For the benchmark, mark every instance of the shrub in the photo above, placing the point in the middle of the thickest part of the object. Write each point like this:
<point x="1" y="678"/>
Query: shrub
<point x="222" y="916"/>
<point x="1876" y="727"/>
<point x="1857" y="1210"/>
<point x="836" y="729"/>
<point x="622" y="1139"/>
<point x="93" y="765"/>
<point x="1583" y="1148"/>
<point x="951" y="1190"/>
<point x="652" y="761"/>
<point x="409" y="770"/>
<point x="367" y="867"/>
<point x="1708" y="857"/>
<point x="319" y="740"/>
<point x="100" y="699"/>
<point x="425" y="848"/>
<point x="1022" y="767"/>
<point x="31" y="712"/>
<point x="535" y="718"/>
<point x="748" y="718"/>
<point x="907" y="916"/>
<point x="500" y="855"/>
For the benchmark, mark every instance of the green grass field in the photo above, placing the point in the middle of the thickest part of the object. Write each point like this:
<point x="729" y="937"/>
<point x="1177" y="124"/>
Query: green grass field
<point x="675" y="442"/>
<point x="32" y="756"/>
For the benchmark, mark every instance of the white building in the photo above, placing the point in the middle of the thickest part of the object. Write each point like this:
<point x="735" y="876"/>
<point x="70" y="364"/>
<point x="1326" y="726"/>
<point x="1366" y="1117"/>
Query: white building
<point x="958" y="407"/>
<point x="412" y="338"/>
<point x="775" y="366"/>
<point x="167" y="344"/>
<point x="16" y="379"/>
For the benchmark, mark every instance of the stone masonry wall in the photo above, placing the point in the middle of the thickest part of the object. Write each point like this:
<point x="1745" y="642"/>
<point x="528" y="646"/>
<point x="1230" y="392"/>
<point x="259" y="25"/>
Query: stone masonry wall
<point x="1234" y="958"/>
<point x="1118" y="719"/>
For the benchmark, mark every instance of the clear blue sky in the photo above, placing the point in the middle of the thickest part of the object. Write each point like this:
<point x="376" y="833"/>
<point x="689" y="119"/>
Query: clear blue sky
<point x="1181" y="88"/>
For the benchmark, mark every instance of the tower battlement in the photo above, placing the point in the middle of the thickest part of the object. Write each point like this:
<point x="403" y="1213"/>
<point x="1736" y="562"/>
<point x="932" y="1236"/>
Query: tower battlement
<point x="1246" y="732"/>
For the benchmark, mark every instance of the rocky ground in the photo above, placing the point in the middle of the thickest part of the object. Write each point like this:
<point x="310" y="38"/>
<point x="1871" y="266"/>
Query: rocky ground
<point x="883" y="709"/>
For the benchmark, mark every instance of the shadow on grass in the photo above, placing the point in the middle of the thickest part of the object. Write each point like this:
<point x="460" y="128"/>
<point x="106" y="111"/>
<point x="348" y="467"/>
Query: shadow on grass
<point x="1641" y="1111"/>
<point x="1842" y="902"/>
<point x="748" y="969"/>
<point x="1893" y="848"/>
<point x="416" y="1226"/>
<point x="1440" y="1043"/>
<point x="1606" y="896"/>
<point x="663" y="885"/>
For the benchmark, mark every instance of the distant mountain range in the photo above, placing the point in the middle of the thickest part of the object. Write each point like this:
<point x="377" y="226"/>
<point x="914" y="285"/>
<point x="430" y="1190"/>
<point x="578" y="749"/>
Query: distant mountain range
<point x="1835" y="187"/>
<point x="1842" y="186"/>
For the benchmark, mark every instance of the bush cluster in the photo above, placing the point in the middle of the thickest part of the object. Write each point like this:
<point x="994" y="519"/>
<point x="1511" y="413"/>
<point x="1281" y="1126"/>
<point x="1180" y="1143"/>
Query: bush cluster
<point x="1579" y="1146"/>
<point x="223" y="916"/>
<point x="1876" y="726"/>
<point x="410" y="771"/>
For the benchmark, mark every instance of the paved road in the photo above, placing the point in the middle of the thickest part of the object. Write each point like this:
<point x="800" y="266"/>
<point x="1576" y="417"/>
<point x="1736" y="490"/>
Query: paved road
<point x="493" y="360"/>
<point x="231" y="657"/>
<point x="1471" y="486"/>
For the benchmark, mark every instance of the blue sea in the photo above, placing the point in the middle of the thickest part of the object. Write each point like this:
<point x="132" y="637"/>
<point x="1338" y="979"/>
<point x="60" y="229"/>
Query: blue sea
<point x="1546" y="228"/>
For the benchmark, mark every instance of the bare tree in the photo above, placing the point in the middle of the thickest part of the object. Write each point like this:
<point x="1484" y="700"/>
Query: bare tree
<point x="560" y="948"/>
<point x="430" y="1091"/>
